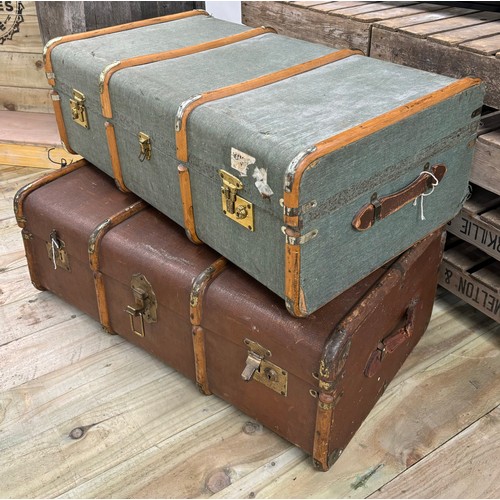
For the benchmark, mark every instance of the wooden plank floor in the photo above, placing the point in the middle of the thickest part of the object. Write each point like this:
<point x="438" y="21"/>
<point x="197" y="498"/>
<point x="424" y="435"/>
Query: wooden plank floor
<point x="87" y="415"/>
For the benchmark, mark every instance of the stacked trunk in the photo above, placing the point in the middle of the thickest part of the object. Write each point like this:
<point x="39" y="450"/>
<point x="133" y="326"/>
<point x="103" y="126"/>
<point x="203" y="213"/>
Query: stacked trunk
<point x="306" y="191"/>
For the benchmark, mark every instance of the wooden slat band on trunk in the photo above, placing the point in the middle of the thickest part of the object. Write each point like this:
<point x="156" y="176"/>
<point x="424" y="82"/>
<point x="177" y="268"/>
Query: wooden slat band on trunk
<point x="51" y="44"/>
<point x="30" y="258"/>
<point x="21" y="195"/>
<point x="200" y="285"/>
<point x="187" y="204"/>
<point x="93" y="248"/>
<point x="189" y="106"/>
<point x="164" y="56"/>
<point x="296" y="170"/>
<point x="115" y="157"/>
<point x="61" y="127"/>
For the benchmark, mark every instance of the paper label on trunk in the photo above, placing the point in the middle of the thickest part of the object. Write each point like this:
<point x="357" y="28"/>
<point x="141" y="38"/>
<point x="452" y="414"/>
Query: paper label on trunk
<point x="240" y="161"/>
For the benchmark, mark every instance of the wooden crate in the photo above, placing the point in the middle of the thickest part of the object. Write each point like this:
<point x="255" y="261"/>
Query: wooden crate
<point x="337" y="24"/>
<point x="473" y="276"/>
<point x="479" y="222"/>
<point x="23" y="86"/>
<point x="486" y="165"/>
<point x="453" y="41"/>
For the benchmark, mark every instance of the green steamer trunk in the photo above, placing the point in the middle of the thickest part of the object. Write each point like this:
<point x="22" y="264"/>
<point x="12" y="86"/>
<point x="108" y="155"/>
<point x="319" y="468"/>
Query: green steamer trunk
<point x="305" y="166"/>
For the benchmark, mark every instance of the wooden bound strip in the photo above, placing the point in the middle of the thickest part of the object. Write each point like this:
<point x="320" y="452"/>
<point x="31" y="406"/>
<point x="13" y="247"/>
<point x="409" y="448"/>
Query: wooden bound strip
<point x="169" y="54"/>
<point x="94" y="246"/>
<point x="21" y="195"/>
<point x="339" y="141"/>
<point x="238" y="88"/>
<point x="115" y="157"/>
<point x="187" y="204"/>
<point x="61" y="127"/>
<point x="107" y="31"/>
<point x="30" y="259"/>
<point x="200" y="286"/>
<point x="322" y="432"/>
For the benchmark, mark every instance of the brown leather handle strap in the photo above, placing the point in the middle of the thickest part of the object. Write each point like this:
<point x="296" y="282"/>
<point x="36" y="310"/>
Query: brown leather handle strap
<point x="390" y="343"/>
<point x="382" y="207"/>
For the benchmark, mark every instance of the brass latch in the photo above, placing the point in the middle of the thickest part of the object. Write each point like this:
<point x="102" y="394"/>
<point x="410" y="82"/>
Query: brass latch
<point x="145" y="303"/>
<point x="78" y="110"/>
<point x="56" y="250"/>
<point x="145" y="143"/>
<point x="259" y="368"/>
<point x="235" y="207"/>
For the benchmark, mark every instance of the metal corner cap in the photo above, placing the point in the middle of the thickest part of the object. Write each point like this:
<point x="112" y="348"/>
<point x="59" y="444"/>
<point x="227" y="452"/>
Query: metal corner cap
<point x="104" y="72"/>
<point x="49" y="44"/>
<point x="292" y="168"/>
<point x="182" y="110"/>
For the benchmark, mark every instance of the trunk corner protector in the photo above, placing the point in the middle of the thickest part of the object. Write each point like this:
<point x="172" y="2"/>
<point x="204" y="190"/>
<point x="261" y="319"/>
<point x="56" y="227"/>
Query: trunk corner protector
<point x="299" y="240"/>
<point x="48" y="45"/>
<point x="292" y="167"/>
<point x="182" y="109"/>
<point x="104" y="72"/>
<point x="296" y="212"/>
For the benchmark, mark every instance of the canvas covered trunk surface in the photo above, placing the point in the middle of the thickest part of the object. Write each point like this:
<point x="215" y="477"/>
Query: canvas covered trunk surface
<point x="310" y="134"/>
<point x="313" y="380"/>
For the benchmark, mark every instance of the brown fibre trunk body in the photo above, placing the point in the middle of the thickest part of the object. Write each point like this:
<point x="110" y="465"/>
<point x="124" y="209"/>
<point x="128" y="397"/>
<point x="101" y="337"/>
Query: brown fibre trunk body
<point x="313" y="380"/>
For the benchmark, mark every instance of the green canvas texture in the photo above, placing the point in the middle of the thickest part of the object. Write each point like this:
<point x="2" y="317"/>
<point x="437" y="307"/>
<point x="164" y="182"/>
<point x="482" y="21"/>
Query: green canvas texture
<point x="270" y="126"/>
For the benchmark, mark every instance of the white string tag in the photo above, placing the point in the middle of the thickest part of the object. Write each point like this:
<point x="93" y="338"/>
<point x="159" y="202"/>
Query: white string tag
<point x="434" y="185"/>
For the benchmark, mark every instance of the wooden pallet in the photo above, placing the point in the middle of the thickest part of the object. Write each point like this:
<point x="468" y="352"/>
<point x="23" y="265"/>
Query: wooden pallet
<point x="472" y="275"/>
<point x="453" y="41"/>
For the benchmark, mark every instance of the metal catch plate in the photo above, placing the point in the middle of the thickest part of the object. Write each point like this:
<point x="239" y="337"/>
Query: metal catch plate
<point x="272" y="376"/>
<point x="56" y="251"/>
<point x="78" y="109"/>
<point x="260" y="369"/>
<point x="145" y="304"/>
<point x="145" y="144"/>
<point x="234" y="206"/>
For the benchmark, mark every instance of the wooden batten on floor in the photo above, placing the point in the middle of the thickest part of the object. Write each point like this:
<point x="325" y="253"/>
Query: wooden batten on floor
<point x="27" y="138"/>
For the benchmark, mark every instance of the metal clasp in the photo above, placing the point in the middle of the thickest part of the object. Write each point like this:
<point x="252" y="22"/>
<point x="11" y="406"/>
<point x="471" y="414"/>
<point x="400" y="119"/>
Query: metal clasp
<point x="233" y="205"/>
<point x="78" y="110"/>
<point x="57" y="252"/>
<point x="260" y="369"/>
<point x="145" y="304"/>
<point x="145" y="143"/>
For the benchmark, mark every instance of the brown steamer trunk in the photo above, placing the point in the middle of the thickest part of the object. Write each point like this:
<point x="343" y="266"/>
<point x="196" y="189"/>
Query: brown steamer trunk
<point x="313" y="381"/>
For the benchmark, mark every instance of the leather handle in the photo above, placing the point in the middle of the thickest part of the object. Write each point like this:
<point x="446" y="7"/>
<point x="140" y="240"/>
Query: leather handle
<point x="380" y="208"/>
<point x="390" y="343"/>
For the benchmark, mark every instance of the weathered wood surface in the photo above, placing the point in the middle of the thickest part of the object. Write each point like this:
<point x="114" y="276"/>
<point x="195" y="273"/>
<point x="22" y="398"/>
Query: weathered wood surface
<point x="20" y="99"/>
<point x="27" y="140"/>
<point x="141" y="430"/>
<point x="472" y="276"/>
<point x="308" y="24"/>
<point x="23" y="85"/>
<point x="64" y="18"/>
<point x="470" y="454"/>
<point x="402" y="48"/>
<point x="486" y="166"/>
<point x="453" y="41"/>
<point x="473" y="225"/>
